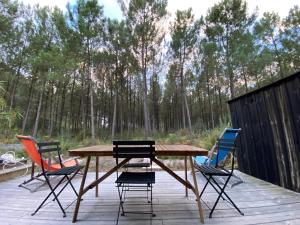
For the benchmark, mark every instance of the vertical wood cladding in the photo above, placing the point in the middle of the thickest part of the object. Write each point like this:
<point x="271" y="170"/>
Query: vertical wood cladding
<point x="270" y="138"/>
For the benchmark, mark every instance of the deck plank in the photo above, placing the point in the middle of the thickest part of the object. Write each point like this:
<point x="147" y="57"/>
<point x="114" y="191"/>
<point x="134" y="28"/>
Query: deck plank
<point x="262" y="203"/>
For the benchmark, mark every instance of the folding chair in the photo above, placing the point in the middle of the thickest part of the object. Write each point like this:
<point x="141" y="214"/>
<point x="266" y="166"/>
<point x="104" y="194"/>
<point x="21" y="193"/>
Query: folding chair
<point x="211" y="159"/>
<point x="31" y="148"/>
<point x="134" y="181"/>
<point x="226" y="144"/>
<point x="65" y="172"/>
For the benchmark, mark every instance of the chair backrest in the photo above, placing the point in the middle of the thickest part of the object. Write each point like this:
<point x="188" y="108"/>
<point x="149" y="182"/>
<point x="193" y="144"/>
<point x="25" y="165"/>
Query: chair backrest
<point x="31" y="148"/>
<point x="134" y="149"/>
<point x="225" y="144"/>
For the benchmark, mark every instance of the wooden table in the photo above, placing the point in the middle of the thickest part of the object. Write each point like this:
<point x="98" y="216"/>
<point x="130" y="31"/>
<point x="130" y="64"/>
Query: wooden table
<point x="186" y="151"/>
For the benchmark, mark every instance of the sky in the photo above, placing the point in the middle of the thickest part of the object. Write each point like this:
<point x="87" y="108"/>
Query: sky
<point x="112" y="9"/>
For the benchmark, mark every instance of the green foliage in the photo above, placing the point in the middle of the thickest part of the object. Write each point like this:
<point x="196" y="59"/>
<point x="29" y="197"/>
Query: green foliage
<point x="73" y="73"/>
<point x="228" y="21"/>
<point x="8" y="118"/>
<point x="208" y="138"/>
<point x="205" y="139"/>
<point x="184" y="33"/>
<point x="172" y="138"/>
<point x="291" y="38"/>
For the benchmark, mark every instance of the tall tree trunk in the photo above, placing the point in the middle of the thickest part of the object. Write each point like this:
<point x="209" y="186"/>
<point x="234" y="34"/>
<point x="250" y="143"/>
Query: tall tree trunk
<point x="228" y="65"/>
<point x="92" y="113"/>
<point x="24" y="123"/>
<point x="188" y="115"/>
<point x="182" y="100"/>
<point x="82" y="106"/>
<point x="113" y="130"/>
<point x="121" y="117"/>
<point x="72" y="113"/>
<point x="245" y="79"/>
<point x="146" y="117"/>
<point x="45" y="109"/>
<point x="37" y="119"/>
<point x="121" y="105"/>
<point x="209" y="101"/>
<point x="145" y="102"/>
<point x="57" y="94"/>
<point x="91" y="95"/>
<point x="231" y="84"/>
<point x="50" y="128"/>
<point x="26" y="114"/>
<point x="185" y="105"/>
<point x="13" y="93"/>
<point x="62" y="106"/>
<point x="278" y="58"/>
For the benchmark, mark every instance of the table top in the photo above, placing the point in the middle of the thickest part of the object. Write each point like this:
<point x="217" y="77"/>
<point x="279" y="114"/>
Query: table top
<point x="161" y="150"/>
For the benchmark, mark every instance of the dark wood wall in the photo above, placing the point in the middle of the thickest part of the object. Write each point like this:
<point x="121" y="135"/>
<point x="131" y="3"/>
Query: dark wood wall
<point x="269" y="144"/>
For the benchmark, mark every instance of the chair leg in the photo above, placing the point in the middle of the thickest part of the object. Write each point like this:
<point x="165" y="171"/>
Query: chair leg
<point x="204" y="186"/>
<point x="68" y="182"/>
<point x="151" y="197"/>
<point x="124" y="196"/>
<point x="55" y="197"/>
<point x="208" y="182"/>
<point x="121" y="207"/>
<point x="220" y="194"/>
<point x="123" y="193"/>
<point x="62" y="188"/>
<point x="215" y="187"/>
<point x="234" y="205"/>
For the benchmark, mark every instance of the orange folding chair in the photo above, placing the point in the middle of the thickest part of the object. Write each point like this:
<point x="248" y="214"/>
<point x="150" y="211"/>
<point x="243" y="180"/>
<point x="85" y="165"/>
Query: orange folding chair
<point x="30" y="146"/>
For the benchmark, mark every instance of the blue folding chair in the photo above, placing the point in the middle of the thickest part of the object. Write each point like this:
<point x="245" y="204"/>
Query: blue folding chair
<point x="212" y="168"/>
<point x="211" y="159"/>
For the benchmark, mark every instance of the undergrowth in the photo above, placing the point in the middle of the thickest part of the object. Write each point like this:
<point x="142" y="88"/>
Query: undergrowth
<point x="204" y="139"/>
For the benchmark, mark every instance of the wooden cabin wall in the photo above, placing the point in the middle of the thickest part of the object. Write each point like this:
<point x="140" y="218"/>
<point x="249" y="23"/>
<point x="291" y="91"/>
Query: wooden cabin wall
<point x="269" y="144"/>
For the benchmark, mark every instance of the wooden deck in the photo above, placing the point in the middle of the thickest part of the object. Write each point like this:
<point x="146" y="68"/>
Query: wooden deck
<point x="262" y="203"/>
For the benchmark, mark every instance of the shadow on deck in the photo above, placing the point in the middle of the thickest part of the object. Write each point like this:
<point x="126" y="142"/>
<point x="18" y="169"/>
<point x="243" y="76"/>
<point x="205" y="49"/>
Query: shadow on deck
<point x="262" y="203"/>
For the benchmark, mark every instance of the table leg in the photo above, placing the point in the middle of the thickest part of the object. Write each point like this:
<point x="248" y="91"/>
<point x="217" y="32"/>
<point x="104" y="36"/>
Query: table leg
<point x="97" y="175"/>
<point x="185" y="173"/>
<point x="81" y="189"/>
<point x="196" y="191"/>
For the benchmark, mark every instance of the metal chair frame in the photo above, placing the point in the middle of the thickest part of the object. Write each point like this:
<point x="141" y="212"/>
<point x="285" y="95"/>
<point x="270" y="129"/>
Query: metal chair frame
<point x="30" y="145"/>
<point x="209" y="171"/>
<point x="130" y="150"/>
<point x="47" y="147"/>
